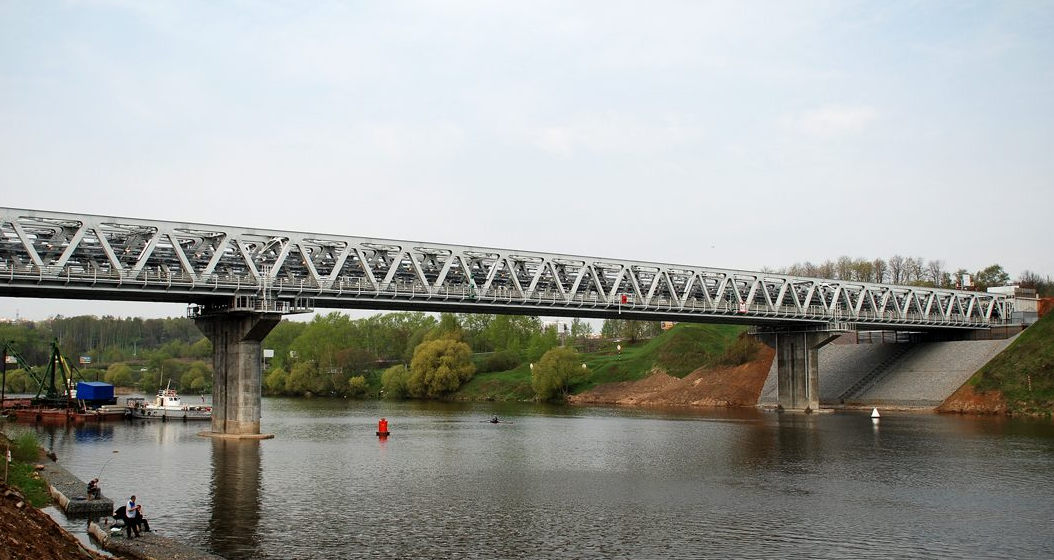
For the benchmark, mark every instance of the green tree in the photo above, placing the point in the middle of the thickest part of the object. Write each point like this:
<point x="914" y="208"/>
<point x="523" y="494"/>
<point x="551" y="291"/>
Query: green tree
<point x="993" y="275"/>
<point x="299" y="381"/>
<point x="275" y="381"/>
<point x="119" y="375"/>
<point x="357" y="386"/>
<point x="540" y="343"/>
<point x="149" y="382"/>
<point x="559" y="369"/>
<point x="17" y="381"/>
<point x="580" y="328"/>
<point x="439" y="366"/>
<point x="201" y="349"/>
<point x="449" y="327"/>
<point x="393" y="380"/>
<point x="281" y="340"/>
<point x="196" y="377"/>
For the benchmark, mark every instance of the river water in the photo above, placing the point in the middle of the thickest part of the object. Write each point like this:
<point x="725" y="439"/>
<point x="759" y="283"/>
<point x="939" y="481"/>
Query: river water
<point x="572" y="482"/>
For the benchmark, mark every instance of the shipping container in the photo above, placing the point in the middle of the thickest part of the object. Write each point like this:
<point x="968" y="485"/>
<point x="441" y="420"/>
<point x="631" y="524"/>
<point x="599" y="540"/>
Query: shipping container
<point x="94" y="391"/>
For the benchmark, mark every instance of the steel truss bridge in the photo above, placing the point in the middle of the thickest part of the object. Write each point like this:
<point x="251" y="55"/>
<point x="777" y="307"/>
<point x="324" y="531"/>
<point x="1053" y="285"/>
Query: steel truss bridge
<point x="61" y="255"/>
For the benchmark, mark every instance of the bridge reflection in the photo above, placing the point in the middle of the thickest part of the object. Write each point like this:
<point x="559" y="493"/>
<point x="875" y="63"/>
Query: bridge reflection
<point x="235" y="490"/>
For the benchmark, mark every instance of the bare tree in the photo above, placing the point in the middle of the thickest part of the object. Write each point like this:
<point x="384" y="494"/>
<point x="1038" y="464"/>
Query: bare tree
<point x="863" y="270"/>
<point x="880" y="270"/>
<point x="844" y="268"/>
<point x="896" y="269"/>
<point x="935" y="272"/>
<point x="913" y="270"/>
<point x="1029" y="279"/>
<point x="825" y="270"/>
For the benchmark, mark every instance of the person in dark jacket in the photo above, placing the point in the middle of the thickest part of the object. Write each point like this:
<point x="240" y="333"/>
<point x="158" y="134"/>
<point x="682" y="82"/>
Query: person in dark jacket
<point x="93" y="489"/>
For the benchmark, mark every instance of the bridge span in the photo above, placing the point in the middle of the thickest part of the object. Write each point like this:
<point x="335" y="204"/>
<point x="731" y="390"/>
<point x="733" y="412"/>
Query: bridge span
<point x="240" y="280"/>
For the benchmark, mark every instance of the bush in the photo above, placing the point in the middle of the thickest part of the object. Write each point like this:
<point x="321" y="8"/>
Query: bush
<point x="743" y="350"/>
<point x="439" y="367"/>
<point x="394" y="381"/>
<point x="357" y="386"/>
<point x="275" y="381"/>
<point x="25" y="447"/>
<point x="504" y="360"/>
<point x="18" y="382"/>
<point x="557" y="371"/>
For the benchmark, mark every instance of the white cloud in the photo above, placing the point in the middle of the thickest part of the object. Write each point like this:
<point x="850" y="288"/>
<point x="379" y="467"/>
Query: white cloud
<point x="832" y="121"/>
<point x="615" y="134"/>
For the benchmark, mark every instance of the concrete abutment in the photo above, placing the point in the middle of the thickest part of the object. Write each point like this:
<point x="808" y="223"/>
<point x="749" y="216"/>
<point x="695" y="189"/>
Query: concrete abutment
<point x="237" y="360"/>
<point x="797" y="367"/>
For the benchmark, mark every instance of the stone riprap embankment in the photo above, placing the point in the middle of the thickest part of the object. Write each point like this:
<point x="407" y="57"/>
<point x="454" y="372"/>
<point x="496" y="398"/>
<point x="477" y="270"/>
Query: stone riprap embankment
<point x="911" y="375"/>
<point x="148" y="546"/>
<point x="71" y="493"/>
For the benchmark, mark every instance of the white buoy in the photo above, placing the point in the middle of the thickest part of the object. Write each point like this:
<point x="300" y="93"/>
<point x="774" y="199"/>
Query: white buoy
<point x="875" y="414"/>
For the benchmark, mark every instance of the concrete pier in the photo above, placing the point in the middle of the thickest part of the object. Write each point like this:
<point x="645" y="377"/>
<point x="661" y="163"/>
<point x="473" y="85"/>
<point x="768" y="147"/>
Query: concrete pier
<point x="797" y="366"/>
<point x="71" y="493"/>
<point x="237" y="363"/>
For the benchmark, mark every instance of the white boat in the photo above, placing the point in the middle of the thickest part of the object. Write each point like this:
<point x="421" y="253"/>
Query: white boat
<point x="167" y="406"/>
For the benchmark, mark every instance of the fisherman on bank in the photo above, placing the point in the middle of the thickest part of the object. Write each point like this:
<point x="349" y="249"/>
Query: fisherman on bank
<point x="93" y="489"/>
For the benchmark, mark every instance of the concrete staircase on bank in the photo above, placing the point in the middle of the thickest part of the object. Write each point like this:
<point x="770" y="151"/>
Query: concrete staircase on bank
<point x="910" y="375"/>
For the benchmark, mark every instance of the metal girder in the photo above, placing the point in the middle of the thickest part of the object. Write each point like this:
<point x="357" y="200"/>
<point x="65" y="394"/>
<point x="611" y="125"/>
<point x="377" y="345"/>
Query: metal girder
<point x="54" y="254"/>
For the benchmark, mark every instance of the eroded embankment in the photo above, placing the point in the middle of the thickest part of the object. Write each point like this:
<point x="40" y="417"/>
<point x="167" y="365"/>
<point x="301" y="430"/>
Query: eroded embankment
<point x="28" y="533"/>
<point x="720" y="386"/>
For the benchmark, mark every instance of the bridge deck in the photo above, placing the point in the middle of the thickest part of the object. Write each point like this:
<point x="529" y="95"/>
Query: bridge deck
<point x="52" y="254"/>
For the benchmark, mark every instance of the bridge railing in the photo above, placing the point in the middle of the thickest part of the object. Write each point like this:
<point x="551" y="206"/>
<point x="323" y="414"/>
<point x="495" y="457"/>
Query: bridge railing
<point x="412" y="290"/>
<point x="197" y="261"/>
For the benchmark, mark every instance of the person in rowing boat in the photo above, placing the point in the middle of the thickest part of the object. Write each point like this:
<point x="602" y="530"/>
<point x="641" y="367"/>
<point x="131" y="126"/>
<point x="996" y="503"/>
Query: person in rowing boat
<point x="495" y="420"/>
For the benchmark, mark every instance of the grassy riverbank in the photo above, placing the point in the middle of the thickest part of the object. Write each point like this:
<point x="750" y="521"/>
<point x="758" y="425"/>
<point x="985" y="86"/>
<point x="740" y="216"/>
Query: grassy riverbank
<point x="678" y="352"/>
<point x="1024" y="372"/>
<point x="25" y="452"/>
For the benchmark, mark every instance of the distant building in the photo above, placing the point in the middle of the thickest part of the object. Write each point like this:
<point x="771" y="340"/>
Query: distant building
<point x="667" y="325"/>
<point x="1026" y="302"/>
<point x="562" y="327"/>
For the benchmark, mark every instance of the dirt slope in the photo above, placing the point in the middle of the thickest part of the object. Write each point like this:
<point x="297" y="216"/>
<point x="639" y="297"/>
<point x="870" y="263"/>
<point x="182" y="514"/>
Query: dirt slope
<point x="968" y="400"/>
<point x="725" y="387"/>
<point x="26" y="533"/>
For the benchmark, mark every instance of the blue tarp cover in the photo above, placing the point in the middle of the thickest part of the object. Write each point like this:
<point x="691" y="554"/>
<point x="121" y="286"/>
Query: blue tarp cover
<point x="94" y="391"/>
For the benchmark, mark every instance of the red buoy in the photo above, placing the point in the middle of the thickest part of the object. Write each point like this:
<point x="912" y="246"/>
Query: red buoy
<point x="382" y="427"/>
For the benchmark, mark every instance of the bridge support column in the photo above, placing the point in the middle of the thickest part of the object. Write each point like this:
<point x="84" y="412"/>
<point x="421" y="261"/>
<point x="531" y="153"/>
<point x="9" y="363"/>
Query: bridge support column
<point x="797" y="368"/>
<point x="237" y="369"/>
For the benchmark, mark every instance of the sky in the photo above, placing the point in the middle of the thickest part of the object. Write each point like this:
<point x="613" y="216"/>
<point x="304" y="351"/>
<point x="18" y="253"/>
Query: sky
<point x="739" y="134"/>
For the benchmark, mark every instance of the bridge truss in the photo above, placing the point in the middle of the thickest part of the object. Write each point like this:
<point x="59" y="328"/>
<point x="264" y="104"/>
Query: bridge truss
<point x="61" y="255"/>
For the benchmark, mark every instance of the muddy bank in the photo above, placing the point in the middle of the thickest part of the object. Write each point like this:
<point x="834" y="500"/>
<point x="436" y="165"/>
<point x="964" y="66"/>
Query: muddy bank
<point x="968" y="400"/>
<point x="724" y="387"/>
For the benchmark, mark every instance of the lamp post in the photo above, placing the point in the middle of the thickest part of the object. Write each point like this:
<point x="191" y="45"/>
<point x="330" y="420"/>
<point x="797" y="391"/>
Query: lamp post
<point x="3" y="374"/>
<point x="3" y="382"/>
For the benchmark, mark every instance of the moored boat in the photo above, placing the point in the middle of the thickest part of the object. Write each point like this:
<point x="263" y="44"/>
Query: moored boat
<point x="167" y="405"/>
<point x="61" y="415"/>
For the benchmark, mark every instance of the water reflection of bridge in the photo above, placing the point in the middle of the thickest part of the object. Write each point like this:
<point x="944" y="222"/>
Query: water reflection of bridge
<point x="234" y="516"/>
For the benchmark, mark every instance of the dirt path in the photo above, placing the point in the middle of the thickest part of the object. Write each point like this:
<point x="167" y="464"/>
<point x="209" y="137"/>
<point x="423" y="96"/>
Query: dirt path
<point x="723" y="387"/>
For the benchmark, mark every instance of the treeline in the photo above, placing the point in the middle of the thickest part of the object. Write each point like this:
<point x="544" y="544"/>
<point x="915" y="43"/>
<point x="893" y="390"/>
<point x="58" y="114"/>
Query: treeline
<point x="105" y="339"/>
<point x="915" y="271"/>
<point x="336" y="355"/>
<point x="134" y="352"/>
